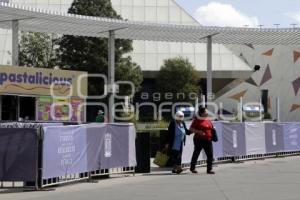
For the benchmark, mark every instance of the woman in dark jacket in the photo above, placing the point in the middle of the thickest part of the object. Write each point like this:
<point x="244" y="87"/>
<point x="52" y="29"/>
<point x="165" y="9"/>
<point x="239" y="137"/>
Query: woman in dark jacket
<point x="177" y="132"/>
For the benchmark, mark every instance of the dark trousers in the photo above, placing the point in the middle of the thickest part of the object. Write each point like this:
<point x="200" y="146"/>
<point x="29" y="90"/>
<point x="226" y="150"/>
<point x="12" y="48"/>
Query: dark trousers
<point x="208" y="148"/>
<point x="176" y="157"/>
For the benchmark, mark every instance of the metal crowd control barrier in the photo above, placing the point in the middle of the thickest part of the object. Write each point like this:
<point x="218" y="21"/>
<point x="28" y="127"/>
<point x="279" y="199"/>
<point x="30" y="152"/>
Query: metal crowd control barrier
<point x="89" y="175"/>
<point x="39" y="182"/>
<point x="36" y="180"/>
<point x="250" y="141"/>
<point x="30" y="139"/>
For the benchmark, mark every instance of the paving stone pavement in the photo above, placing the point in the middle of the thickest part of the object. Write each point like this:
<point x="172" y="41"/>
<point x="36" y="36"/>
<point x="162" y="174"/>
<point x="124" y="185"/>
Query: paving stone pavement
<point x="271" y="179"/>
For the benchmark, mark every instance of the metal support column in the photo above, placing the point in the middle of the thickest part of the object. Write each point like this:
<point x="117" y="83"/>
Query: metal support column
<point x="203" y="103"/>
<point x="260" y="110"/>
<point x="209" y="70"/>
<point x="0" y="107"/>
<point x="15" y="42"/>
<point x="277" y="109"/>
<point x="111" y="76"/>
<point x="241" y="110"/>
<point x="15" y="55"/>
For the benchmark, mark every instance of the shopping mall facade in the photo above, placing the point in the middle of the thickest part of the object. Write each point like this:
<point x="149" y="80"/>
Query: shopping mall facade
<point x="233" y="74"/>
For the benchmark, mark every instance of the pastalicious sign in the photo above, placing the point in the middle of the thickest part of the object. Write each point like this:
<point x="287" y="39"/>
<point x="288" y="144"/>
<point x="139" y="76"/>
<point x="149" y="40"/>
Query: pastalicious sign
<point x="41" y="81"/>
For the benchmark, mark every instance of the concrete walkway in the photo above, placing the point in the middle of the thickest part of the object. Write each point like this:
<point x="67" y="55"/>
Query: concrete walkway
<point x="273" y="179"/>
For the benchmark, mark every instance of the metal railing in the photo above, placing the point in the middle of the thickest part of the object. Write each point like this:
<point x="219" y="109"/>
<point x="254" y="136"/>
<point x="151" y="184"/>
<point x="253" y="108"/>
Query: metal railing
<point x="86" y="176"/>
<point x="41" y="183"/>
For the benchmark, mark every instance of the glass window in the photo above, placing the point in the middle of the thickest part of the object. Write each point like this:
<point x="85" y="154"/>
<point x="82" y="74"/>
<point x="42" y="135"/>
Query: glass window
<point x="236" y="62"/>
<point x="216" y="61"/>
<point x="127" y="12"/>
<point x="224" y="49"/>
<point x="151" y="62"/>
<point x="226" y="61"/>
<point x="150" y="14"/>
<point x="116" y="2"/>
<point x="150" y="2"/>
<point x="53" y="7"/>
<point x="138" y="14"/>
<point x="216" y="48"/>
<point x="201" y="62"/>
<point x="17" y="1"/>
<point x="191" y="23"/>
<point x="139" y="58"/>
<point x="190" y="57"/>
<point x="151" y="47"/>
<point x="8" y="42"/>
<point x="25" y="2"/>
<point x="176" y="55"/>
<point x="185" y="17"/>
<point x="118" y="9"/>
<point x="175" y="48"/>
<point x="57" y="2"/>
<point x="42" y="6"/>
<point x="174" y="15"/>
<point x="171" y="3"/>
<point x="1" y="57"/>
<point x="127" y="2"/>
<point x="163" y="14"/>
<point x="67" y="2"/>
<point x="161" y="57"/>
<point x="200" y="48"/>
<point x="64" y="8"/>
<point x="2" y="42"/>
<point x="188" y="48"/>
<point x="138" y="2"/>
<point x="139" y="46"/>
<point x="163" y="3"/>
<point x="163" y="47"/>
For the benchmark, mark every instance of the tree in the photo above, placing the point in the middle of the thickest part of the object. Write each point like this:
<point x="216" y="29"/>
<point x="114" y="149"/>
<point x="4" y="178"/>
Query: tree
<point x="178" y="76"/>
<point x="91" y="54"/>
<point x="38" y="50"/>
<point x="130" y="71"/>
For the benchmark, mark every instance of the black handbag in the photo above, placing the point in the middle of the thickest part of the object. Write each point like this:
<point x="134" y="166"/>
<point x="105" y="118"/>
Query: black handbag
<point x="214" y="135"/>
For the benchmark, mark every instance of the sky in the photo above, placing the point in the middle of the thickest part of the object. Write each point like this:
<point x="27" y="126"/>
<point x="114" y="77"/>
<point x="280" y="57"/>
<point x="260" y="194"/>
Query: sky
<point x="242" y="13"/>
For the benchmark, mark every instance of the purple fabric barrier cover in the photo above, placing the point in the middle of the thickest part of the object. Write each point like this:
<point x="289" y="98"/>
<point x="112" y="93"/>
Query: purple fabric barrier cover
<point x="108" y="146"/>
<point x="291" y="134"/>
<point x="64" y="151"/>
<point x="274" y="137"/>
<point x="77" y="149"/>
<point x="188" y="149"/>
<point x="234" y="141"/>
<point x="218" y="146"/>
<point x="95" y="138"/>
<point x="189" y="145"/>
<point x="255" y="138"/>
<point x="18" y="154"/>
<point x="115" y="147"/>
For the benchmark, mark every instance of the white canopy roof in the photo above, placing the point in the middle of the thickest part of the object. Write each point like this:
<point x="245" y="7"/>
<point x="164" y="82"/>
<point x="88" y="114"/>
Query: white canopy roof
<point x="36" y="20"/>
